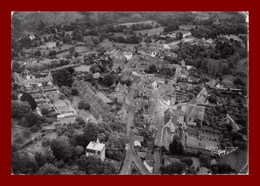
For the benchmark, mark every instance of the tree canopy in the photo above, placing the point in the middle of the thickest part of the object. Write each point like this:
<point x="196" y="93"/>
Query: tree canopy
<point x="63" y="78"/>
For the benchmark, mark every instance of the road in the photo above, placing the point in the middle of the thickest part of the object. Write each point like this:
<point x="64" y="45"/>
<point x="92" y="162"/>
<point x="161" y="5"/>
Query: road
<point x="131" y="156"/>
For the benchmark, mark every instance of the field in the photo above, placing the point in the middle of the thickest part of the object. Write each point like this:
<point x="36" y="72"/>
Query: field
<point x="22" y="135"/>
<point x="82" y="113"/>
<point x="81" y="49"/>
<point x="140" y="22"/>
<point x="242" y="66"/>
<point x="112" y="45"/>
<point x="153" y="31"/>
<point x="237" y="160"/>
<point x="50" y="45"/>
<point x="82" y="68"/>
<point x="186" y="27"/>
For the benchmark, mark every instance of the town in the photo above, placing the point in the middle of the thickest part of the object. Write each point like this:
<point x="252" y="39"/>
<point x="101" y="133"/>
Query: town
<point x="129" y="93"/>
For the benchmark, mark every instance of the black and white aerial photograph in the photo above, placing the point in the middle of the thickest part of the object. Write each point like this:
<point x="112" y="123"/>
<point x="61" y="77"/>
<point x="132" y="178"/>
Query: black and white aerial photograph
<point x="129" y="93"/>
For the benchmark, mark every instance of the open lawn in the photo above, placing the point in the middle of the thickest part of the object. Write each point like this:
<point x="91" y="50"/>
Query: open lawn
<point x="82" y="68"/>
<point x="50" y="45"/>
<point x="186" y="27"/>
<point x="237" y="160"/>
<point x="22" y="135"/>
<point x="82" y="113"/>
<point x="242" y="66"/>
<point x="81" y="49"/>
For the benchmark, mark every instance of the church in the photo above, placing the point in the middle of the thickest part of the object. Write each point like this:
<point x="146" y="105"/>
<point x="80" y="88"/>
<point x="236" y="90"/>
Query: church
<point x="173" y="125"/>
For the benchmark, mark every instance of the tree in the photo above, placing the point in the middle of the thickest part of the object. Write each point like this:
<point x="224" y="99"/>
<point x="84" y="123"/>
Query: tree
<point x="92" y="165"/>
<point x="74" y="92"/>
<point x="81" y="104"/>
<point x="17" y="67"/>
<point x="20" y="109"/>
<point x="37" y="53"/>
<point x="22" y="163"/>
<point x="80" y="120"/>
<point x="14" y="96"/>
<point x="79" y="150"/>
<point x="63" y="78"/>
<point x="176" y="146"/>
<point x="27" y="97"/>
<point x="212" y="99"/>
<point x="152" y="69"/>
<point x="32" y="119"/>
<point x="89" y="77"/>
<point x="40" y="159"/>
<point x="205" y="160"/>
<point x="95" y="68"/>
<point x="61" y="148"/>
<point x="71" y="70"/>
<point x="34" y="128"/>
<point x="49" y="169"/>
<point x="238" y="81"/>
<point x="187" y="161"/>
<point x="90" y="132"/>
<point x="72" y="50"/>
<point x="86" y="106"/>
<point x="108" y="80"/>
<point x="174" y="168"/>
<point x="44" y="111"/>
<point x="115" y="147"/>
<point x="77" y="35"/>
<point x="221" y="168"/>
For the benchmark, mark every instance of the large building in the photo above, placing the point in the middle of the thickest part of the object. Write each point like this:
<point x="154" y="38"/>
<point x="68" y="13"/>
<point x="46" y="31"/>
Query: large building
<point x="97" y="149"/>
<point x="173" y="125"/>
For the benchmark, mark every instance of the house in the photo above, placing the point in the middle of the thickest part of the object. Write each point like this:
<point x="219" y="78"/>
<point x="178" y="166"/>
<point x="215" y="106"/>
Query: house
<point x="187" y="35"/>
<point x="154" y="84"/>
<point x="149" y="165"/>
<point x="95" y="148"/>
<point x="128" y="55"/>
<point x="31" y="36"/>
<point x="191" y="123"/>
<point x="96" y="75"/>
<point x="153" y="54"/>
<point x="166" y="46"/>
<point x="137" y="143"/>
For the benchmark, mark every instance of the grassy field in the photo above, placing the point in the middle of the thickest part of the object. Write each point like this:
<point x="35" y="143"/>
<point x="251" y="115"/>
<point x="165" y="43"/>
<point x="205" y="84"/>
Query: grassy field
<point x="82" y="68"/>
<point x="242" y="65"/>
<point x="237" y="160"/>
<point x="151" y="31"/>
<point x="186" y="27"/>
<point x="112" y="45"/>
<point x="50" y="45"/>
<point x="81" y="49"/>
<point x="140" y="22"/>
<point x="82" y="113"/>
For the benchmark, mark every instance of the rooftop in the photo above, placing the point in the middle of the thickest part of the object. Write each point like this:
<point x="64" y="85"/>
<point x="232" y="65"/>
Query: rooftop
<point x="95" y="146"/>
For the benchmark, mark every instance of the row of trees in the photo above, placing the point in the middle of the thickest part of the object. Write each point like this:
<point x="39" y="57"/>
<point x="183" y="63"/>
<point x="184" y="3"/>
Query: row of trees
<point x="212" y="31"/>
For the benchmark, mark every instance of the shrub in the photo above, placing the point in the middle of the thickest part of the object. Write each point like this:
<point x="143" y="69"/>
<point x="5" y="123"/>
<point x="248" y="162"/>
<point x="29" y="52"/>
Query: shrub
<point x="19" y="140"/>
<point x="44" y="111"/>
<point x="81" y="104"/>
<point x="86" y="106"/>
<point x="46" y="143"/>
<point x="26" y="134"/>
<point x="57" y="125"/>
<point x="80" y="120"/>
<point x="238" y="81"/>
<point x="74" y="92"/>
<point x="14" y="96"/>
<point x="34" y="128"/>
